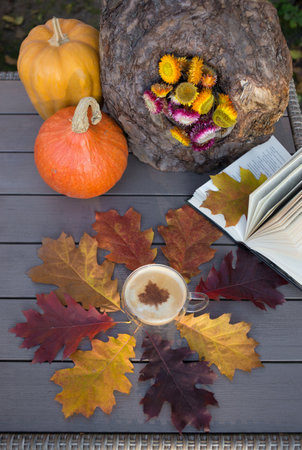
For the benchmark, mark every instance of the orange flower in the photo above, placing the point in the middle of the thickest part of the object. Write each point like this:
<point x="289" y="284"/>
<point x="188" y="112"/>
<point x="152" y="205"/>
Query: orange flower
<point x="195" y="70"/>
<point x="169" y="69"/>
<point x="203" y="102"/>
<point x="181" y="136"/>
<point x="161" y="89"/>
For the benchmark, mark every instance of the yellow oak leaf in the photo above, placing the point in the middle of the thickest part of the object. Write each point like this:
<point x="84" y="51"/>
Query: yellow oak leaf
<point x="221" y="343"/>
<point x="232" y="198"/>
<point x="76" y="272"/>
<point x="96" y="374"/>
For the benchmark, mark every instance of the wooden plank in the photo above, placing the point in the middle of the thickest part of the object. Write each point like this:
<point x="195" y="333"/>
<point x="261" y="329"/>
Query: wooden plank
<point x="18" y="259"/>
<point x="14" y="99"/>
<point x="270" y="329"/>
<point x="20" y="176"/>
<point x="18" y="133"/>
<point x="266" y="400"/>
<point x="35" y="217"/>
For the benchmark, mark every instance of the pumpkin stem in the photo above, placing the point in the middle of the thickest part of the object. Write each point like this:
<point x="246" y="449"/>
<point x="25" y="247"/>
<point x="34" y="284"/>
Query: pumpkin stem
<point x="80" y="122"/>
<point x="58" y="37"/>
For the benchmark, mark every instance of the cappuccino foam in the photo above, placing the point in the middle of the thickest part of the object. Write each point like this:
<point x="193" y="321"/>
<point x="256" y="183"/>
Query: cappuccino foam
<point x="155" y="294"/>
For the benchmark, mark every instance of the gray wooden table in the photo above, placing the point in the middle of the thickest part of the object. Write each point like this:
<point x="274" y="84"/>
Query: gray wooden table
<point x="267" y="400"/>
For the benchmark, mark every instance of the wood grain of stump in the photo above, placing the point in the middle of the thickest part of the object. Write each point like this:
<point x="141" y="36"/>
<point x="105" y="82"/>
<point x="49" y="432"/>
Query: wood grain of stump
<point x="241" y="39"/>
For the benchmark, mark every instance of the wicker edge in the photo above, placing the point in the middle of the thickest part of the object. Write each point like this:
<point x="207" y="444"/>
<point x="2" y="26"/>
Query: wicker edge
<point x="150" y="441"/>
<point x="62" y="441"/>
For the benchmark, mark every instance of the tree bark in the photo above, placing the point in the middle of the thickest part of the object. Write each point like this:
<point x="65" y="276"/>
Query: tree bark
<point x="240" y="39"/>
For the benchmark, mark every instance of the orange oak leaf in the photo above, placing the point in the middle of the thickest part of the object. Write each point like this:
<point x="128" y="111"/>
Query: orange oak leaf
<point x="59" y="326"/>
<point x="188" y="237"/>
<point x="96" y="374"/>
<point x="232" y="198"/>
<point x="221" y="343"/>
<point x="121" y="235"/>
<point x="76" y="272"/>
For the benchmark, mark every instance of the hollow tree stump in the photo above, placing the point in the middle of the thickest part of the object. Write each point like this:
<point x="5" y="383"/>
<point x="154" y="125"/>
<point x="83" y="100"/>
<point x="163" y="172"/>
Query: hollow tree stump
<point x="240" y="39"/>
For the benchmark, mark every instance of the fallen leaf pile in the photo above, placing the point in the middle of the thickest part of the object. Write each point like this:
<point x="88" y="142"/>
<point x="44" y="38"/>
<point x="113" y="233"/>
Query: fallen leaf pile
<point x="86" y="292"/>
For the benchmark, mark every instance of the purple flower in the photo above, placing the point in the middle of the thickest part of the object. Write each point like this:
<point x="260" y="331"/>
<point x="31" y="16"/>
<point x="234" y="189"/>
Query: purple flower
<point x="203" y="147"/>
<point x="185" y="117"/>
<point x="203" y="132"/>
<point x="154" y="104"/>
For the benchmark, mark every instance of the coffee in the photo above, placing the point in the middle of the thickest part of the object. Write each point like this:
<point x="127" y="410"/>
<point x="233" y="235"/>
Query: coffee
<point x="155" y="294"/>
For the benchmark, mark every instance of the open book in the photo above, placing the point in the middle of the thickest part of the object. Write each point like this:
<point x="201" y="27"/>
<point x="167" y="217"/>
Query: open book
<point x="273" y="226"/>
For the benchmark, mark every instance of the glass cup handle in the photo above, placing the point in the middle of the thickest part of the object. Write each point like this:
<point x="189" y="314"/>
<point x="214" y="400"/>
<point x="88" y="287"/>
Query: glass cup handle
<point x="198" y="306"/>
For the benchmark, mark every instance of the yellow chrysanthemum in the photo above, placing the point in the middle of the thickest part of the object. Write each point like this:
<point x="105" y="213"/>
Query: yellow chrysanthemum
<point x="184" y="63"/>
<point x="186" y="93"/>
<point x="225" y="116"/>
<point x="169" y="69"/>
<point x="208" y="81"/>
<point x="224" y="99"/>
<point x="203" y="102"/>
<point x="161" y="89"/>
<point x="181" y="136"/>
<point x="195" y="70"/>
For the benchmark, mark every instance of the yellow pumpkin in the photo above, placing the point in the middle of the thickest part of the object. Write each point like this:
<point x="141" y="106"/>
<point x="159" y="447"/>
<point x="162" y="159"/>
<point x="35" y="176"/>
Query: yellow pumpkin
<point x="59" y="64"/>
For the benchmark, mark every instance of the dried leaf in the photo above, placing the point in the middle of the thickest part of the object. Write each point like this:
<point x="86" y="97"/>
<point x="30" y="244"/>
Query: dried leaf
<point x="96" y="374"/>
<point x="10" y="61"/>
<point x="121" y="235"/>
<point x="175" y="383"/>
<point x="18" y="20"/>
<point x="221" y="343"/>
<point x="77" y="273"/>
<point x="250" y="279"/>
<point x="188" y="237"/>
<point x="232" y="198"/>
<point x="59" y="326"/>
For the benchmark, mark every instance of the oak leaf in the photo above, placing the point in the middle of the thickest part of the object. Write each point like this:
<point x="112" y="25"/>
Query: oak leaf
<point x="59" y="326"/>
<point x="96" y="374"/>
<point x="250" y="279"/>
<point x="188" y="237"/>
<point x="175" y="382"/>
<point x="232" y="198"/>
<point x="122" y="236"/>
<point x="77" y="273"/>
<point x="221" y="343"/>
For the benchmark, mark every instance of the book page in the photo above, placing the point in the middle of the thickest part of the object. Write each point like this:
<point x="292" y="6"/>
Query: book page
<point x="266" y="158"/>
<point x="272" y="191"/>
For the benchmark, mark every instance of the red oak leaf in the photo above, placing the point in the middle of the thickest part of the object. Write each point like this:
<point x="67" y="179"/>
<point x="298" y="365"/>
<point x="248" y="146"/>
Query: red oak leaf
<point x="250" y="279"/>
<point x="175" y="383"/>
<point x="188" y="237"/>
<point x="59" y="326"/>
<point x="121" y="235"/>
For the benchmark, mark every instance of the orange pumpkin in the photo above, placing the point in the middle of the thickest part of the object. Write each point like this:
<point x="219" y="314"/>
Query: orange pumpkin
<point x="59" y="64"/>
<point x="78" y="159"/>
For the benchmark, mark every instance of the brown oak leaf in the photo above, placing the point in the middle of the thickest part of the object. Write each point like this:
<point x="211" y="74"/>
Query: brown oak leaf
<point x="176" y="382"/>
<point x="188" y="237"/>
<point x="122" y="236"/>
<point x="232" y="198"/>
<point x="76" y="272"/>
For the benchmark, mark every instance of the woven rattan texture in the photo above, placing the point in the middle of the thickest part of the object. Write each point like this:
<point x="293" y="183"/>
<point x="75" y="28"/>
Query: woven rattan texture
<point x="150" y="442"/>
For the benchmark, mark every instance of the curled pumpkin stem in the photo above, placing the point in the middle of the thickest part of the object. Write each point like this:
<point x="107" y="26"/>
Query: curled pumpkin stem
<point x="80" y="122"/>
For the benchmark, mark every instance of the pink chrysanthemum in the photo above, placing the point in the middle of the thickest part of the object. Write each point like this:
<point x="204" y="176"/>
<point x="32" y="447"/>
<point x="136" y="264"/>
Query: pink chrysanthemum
<point x="203" y="132"/>
<point x="154" y="104"/>
<point x="203" y="147"/>
<point x="185" y="117"/>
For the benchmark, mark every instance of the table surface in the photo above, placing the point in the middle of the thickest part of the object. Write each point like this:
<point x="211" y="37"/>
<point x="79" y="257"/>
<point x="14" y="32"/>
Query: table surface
<point x="266" y="400"/>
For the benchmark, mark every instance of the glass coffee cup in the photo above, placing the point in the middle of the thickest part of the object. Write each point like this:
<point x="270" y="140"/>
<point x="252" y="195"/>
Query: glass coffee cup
<point x="156" y="295"/>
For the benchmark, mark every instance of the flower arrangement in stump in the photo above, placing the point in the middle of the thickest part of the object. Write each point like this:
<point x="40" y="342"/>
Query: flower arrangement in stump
<point x="188" y="95"/>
